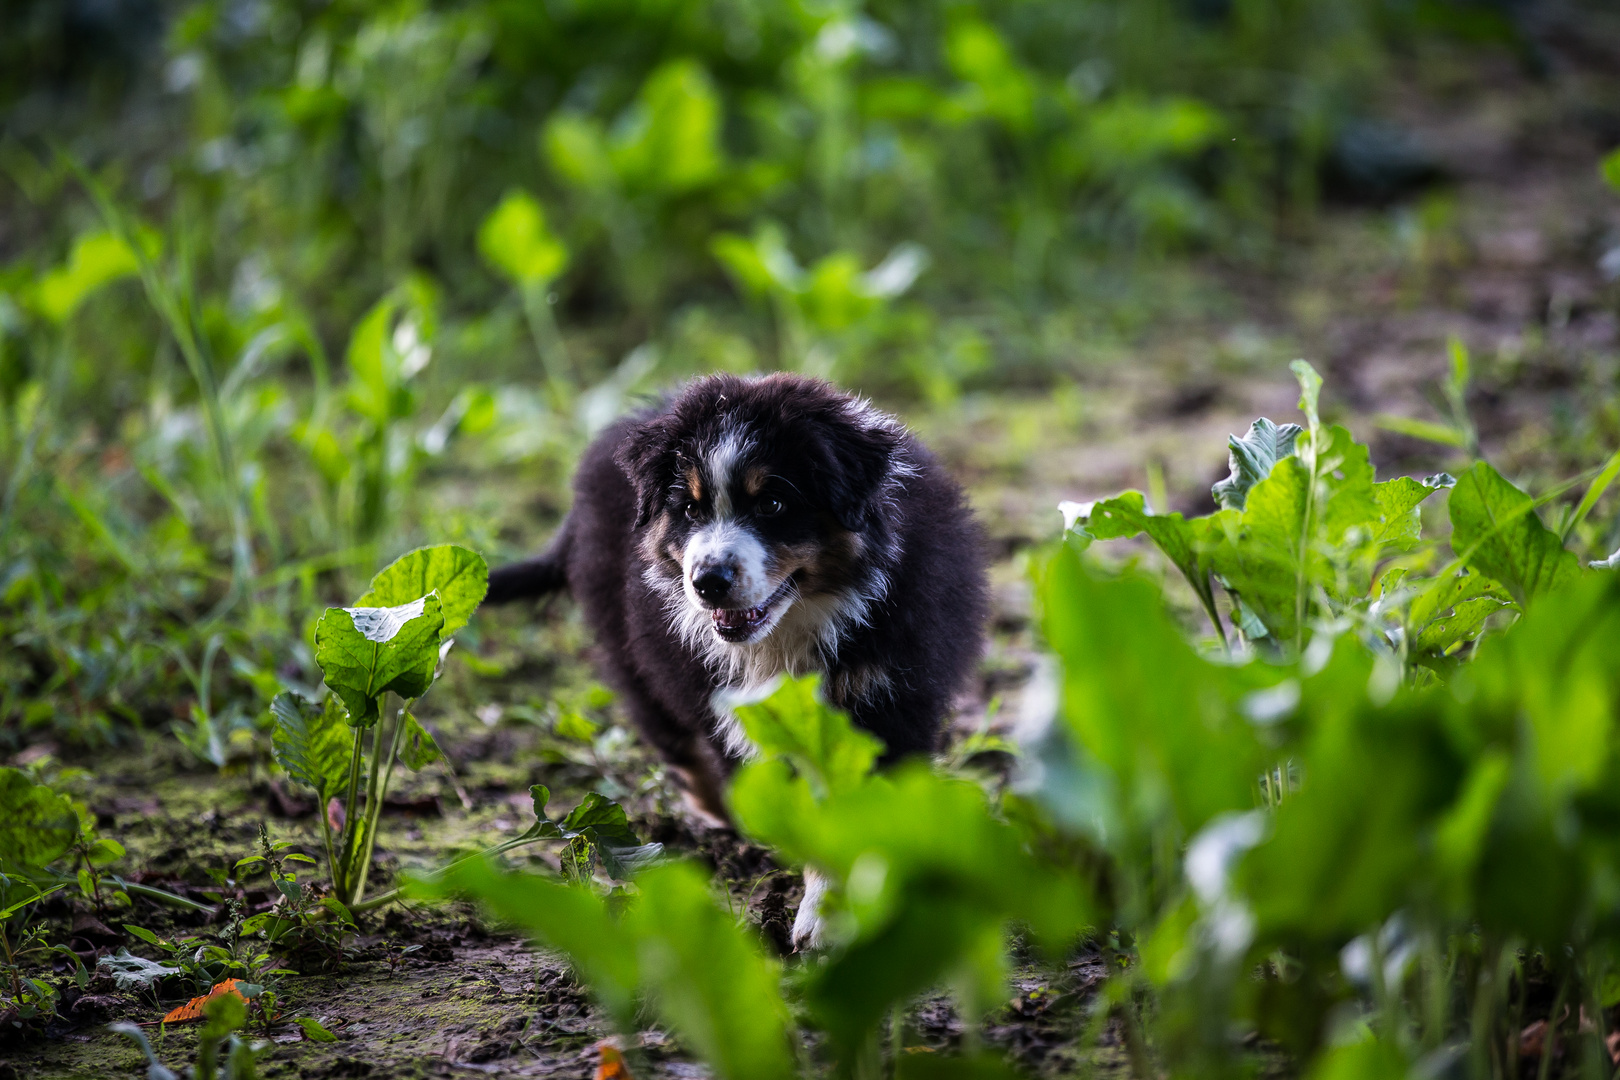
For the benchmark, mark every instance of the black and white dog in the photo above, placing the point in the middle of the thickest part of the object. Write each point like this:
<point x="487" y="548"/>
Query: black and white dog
<point x="756" y="526"/>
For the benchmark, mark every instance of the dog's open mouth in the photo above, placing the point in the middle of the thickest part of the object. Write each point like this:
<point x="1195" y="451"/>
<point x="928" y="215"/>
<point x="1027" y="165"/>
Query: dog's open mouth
<point x="739" y="624"/>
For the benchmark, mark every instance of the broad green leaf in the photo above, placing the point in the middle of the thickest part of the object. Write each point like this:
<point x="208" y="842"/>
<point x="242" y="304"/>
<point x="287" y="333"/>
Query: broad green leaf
<point x="312" y="742"/>
<point x="577" y="149"/>
<point x="572" y="920"/>
<point x="669" y="140"/>
<point x="708" y="977"/>
<point x="1495" y="530"/>
<point x="417" y="748"/>
<point x="794" y="722"/>
<point x="97" y="260"/>
<point x="37" y="825"/>
<point x="605" y="817"/>
<point x="1278" y="553"/>
<point x="1140" y="704"/>
<point x="515" y="240"/>
<point x="1347" y="850"/>
<point x="1557" y="672"/>
<point x="1399" y="523"/>
<point x="1369" y="1059"/>
<point x="1252" y="458"/>
<point x="367" y="652"/>
<point x="1187" y="544"/>
<point x="931" y="879"/>
<point x="1461" y="832"/>
<point x="1463" y="624"/>
<point x="459" y="576"/>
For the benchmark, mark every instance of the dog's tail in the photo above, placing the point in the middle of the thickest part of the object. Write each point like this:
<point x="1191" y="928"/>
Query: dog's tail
<point x="531" y="579"/>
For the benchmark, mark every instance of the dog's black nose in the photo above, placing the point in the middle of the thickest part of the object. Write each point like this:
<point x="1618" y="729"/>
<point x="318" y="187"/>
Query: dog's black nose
<point x="714" y="583"/>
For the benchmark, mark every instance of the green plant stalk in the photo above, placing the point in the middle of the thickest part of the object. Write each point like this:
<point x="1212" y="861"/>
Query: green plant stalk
<point x="351" y="818"/>
<point x="374" y="801"/>
<point x="11" y="961"/>
<point x="1306" y="528"/>
<point x="548" y="340"/>
<point x="1549" y="1046"/>
<point x="1611" y="469"/>
<point x="366" y="818"/>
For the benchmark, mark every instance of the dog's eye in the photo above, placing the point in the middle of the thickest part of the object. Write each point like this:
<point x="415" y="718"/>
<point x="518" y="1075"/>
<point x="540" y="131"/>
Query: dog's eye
<point x="692" y="510"/>
<point x="769" y="506"/>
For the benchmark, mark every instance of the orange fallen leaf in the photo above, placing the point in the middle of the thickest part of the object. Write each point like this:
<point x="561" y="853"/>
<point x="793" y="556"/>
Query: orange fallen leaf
<point x="610" y="1063"/>
<point x="193" y="1009"/>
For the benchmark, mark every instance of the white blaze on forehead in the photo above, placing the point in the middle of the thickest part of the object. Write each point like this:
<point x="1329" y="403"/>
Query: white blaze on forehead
<point x="720" y="466"/>
<point x="726" y="543"/>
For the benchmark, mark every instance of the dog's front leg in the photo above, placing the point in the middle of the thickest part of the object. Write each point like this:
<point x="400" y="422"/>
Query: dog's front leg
<point x="807" y="924"/>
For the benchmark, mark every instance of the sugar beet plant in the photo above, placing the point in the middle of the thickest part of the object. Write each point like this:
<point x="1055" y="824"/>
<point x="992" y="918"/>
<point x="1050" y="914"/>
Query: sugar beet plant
<point x="389" y="643"/>
<point x="1376" y="830"/>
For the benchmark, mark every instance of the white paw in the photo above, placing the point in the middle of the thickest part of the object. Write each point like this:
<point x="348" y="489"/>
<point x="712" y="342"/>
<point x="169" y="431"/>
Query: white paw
<point x="808" y="929"/>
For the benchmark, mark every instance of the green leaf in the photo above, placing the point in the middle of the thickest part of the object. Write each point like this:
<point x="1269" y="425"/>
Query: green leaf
<point x="1495" y="530"/>
<point x="1369" y="1059"/>
<point x="417" y="748"/>
<point x="1252" y="458"/>
<point x="313" y="1031"/>
<point x="708" y="978"/>
<point x="1279" y="551"/>
<point x="36" y="824"/>
<point x="669" y="140"/>
<point x="1400" y="523"/>
<point x="795" y="723"/>
<point x="142" y="933"/>
<point x="1145" y="710"/>
<point x="1468" y="617"/>
<point x="602" y="816"/>
<point x="365" y="652"/>
<point x="1427" y="430"/>
<point x="460" y="578"/>
<point x="563" y="917"/>
<point x="1610" y="169"/>
<point x="312" y="743"/>
<point x="1187" y="544"/>
<point x="97" y="259"/>
<point x="103" y="851"/>
<point x="515" y="240"/>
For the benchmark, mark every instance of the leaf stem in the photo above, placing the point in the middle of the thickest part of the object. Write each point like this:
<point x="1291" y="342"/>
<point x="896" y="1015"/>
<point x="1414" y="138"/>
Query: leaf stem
<point x="341" y="872"/>
<point x="374" y="800"/>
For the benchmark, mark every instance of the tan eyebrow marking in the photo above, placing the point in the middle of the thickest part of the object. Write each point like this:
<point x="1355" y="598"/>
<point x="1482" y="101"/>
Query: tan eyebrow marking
<point x="694" y="482"/>
<point x="754" y="481"/>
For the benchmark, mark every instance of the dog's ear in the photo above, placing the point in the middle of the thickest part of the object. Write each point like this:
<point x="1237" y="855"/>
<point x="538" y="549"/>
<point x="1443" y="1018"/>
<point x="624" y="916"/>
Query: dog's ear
<point x="858" y="455"/>
<point x="647" y="457"/>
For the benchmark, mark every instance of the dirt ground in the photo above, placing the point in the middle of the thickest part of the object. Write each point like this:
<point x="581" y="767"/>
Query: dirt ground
<point x="1506" y="255"/>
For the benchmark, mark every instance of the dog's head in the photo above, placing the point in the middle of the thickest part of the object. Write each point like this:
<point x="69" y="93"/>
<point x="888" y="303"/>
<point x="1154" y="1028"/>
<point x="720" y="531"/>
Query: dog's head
<point x="756" y="497"/>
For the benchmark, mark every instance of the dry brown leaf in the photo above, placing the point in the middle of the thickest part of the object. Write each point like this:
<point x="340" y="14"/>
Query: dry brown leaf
<point x="610" y="1063"/>
<point x="193" y="1009"/>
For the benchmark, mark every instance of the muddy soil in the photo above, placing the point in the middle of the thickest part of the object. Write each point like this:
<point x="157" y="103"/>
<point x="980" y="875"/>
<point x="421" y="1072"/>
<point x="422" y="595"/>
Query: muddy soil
<point x="1508" y="255"/>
